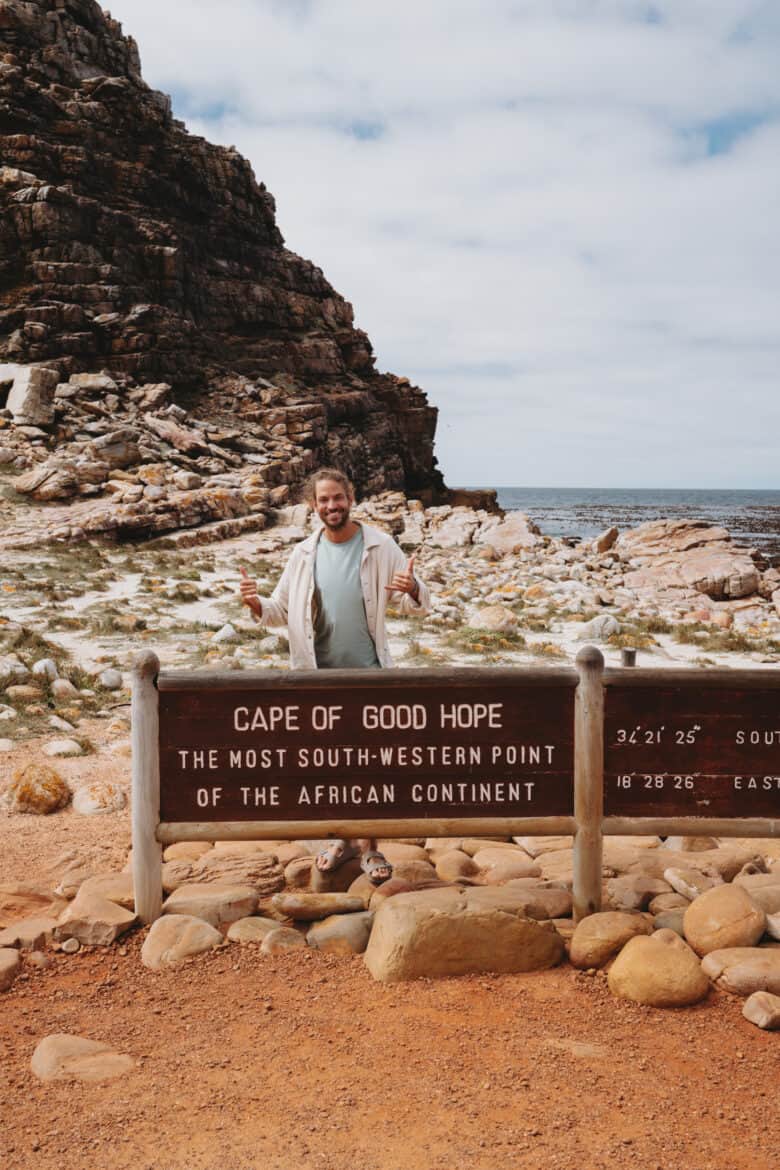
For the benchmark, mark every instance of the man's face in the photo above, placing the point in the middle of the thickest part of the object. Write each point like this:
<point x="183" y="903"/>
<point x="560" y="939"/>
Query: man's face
<point x="332" y="504"/>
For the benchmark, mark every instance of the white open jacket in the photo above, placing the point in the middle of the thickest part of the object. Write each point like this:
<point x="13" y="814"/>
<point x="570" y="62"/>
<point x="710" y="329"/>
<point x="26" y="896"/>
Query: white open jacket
<point x="292" y="601"/>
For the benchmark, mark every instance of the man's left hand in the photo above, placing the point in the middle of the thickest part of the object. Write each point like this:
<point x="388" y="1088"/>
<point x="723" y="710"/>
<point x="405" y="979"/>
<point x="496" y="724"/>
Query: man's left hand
<point x="405" y="582"/>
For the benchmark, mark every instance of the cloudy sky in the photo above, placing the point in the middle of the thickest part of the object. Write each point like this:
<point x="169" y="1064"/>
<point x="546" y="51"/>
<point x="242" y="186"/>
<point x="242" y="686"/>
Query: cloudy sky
<point x="559" y="217"/>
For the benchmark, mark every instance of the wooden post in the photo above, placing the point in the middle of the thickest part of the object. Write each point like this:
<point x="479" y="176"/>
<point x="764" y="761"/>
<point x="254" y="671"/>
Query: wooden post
<point x="145" y="723"/>
<point x="588" y="782"/>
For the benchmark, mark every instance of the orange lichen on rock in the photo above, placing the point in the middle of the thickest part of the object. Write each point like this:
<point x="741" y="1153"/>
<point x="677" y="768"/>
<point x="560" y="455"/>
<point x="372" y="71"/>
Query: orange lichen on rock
<point x="36" y="788"/>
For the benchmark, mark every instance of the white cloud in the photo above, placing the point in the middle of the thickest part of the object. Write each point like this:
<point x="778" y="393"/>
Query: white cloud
<point x="564" y="226"/>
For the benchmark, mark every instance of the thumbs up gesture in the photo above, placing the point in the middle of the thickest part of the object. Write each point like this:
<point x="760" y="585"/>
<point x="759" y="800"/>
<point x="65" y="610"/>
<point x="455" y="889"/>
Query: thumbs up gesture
<point x="248" y="591"/>
<point x="405" y="582"/>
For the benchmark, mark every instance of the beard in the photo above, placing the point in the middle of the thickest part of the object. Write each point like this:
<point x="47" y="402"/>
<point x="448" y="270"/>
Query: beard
<point x="335" y="519"/>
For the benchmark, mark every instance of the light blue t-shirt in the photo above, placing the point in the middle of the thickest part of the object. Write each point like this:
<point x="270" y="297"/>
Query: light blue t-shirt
<point x="341" y="636"/>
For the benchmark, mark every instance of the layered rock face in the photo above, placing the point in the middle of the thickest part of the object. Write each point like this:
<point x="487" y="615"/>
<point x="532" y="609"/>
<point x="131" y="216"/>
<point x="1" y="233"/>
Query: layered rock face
<point x="129" y="246"/>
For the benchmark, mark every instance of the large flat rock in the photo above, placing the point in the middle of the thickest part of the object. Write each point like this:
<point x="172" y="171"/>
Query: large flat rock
<point x="214" y="903"/>
<point x="743" y="970"/>
<point x="448" y="931"/>
<point x="61" y="1057"/>
<point x="94" y="920"/>
<point x="308" y="907"/>
<point x="29" y="934"/>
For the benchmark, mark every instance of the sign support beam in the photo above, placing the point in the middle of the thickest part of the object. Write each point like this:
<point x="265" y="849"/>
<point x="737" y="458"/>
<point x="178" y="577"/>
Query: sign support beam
<point x="588" y="782"/>
<point x="145" y="734"/>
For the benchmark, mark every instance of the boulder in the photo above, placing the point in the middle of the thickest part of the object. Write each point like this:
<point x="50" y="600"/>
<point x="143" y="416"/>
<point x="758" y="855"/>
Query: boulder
<point x="635" y="891"/>
<point x="725" y="916"/>
<point x="663" y="902"/>
<point x="659" y="970"/>
<point x="448" y="931"/>
<point x="31" y="397"/>
<point x="24" y="900"/>
<point x="46" y="668"/>
<point x="763" y="1009"/>
<point x="687" y="554"/>
<point x="63" y="747"/>
<point x="538" y="846"/>
<point x="297" y="873"/>
<point x="396" y="851"/>
<point x="502" y="865"/>
<point x="541" y="902"/>
<point x="98" y="797"/>
<point x="342" y="934"/>
<point x="36" y="788"/>
<point x="74" y="1058"/>
<point x="116" y="887"/>
<point x="226" y="866"/>
<point x="600" y="936"/>
<point x="174" y="937"/>
<point x="764" y="890"/>
<point x="455" y="865"/>
<point x="94" y="920"/>
<point x="308" y="907"/>
<point x="726" y="861"/>
<point x="670" y="920"/>
<point x="454" y="530"/>
<point x="515" y="531"/>
<point x="186" y="850"/>
<point x="29" y="934"/>
<point x="214" y="903"/>
<point x="743" y="970"/>
<point x="12" y="670"/>
<point x="691" y="844"/>
<point x="690" y="882"/>
<point x="10" y="965"/>
<point x="378" y="894"/>
<point x="414" y="872"/>
<point x="251" y="930"/>
<point x="495" y="618"/>
<point x="598" y="629"/>
<point x="522" y="898"/>
<point x="284" y="938"/>
<point x="605" y="539"/>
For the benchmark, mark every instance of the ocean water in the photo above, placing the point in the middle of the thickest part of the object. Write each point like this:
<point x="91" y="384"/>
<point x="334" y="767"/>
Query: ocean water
<point x="751" y="517"/>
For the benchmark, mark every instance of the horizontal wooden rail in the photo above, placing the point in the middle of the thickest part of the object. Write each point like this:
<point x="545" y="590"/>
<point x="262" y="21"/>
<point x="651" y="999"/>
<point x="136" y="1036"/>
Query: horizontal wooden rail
<point x="168" y="832"/>
<point x="243" y="680"/>
<point x="690" y="827"/>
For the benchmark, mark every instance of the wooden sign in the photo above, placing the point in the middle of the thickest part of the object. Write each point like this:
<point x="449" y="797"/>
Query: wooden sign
<point x="363" y="745"/>
<point x="692" y="749"/>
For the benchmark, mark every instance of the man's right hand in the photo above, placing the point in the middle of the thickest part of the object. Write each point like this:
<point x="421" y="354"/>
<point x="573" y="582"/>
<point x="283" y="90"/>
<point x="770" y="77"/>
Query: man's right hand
<point x="248" y="590"/>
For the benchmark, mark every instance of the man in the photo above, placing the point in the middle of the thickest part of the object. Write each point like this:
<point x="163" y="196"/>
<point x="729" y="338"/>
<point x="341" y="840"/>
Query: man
<point x="332" y="597"/>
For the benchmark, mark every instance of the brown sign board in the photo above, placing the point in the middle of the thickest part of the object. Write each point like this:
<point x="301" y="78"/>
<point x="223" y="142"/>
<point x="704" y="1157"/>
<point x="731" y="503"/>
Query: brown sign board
<point x="692" y="750"/>
<point x="366" y="745"/>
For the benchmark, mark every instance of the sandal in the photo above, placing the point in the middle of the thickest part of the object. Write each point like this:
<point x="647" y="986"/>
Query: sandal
<point x="376" y="867"/>
<point x="334" y="855"/>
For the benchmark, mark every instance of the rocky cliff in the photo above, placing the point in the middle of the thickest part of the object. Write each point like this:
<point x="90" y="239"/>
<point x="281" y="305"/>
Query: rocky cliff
<point x="132" y="248"/>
